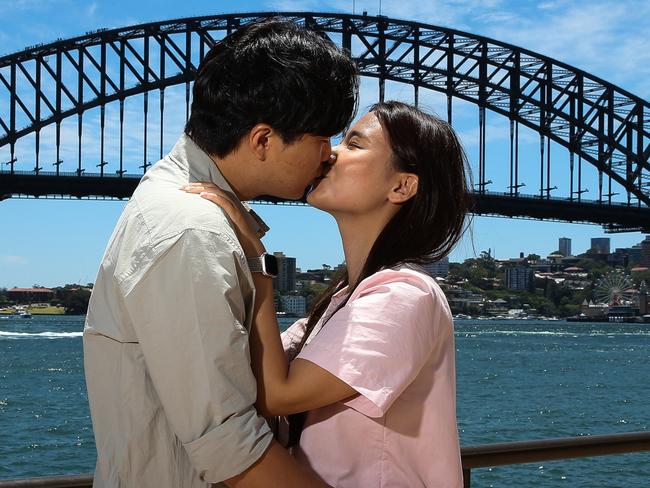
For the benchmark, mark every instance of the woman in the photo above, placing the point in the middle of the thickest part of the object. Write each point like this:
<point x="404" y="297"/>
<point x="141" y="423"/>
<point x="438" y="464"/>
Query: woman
<point x="373" y="365"/>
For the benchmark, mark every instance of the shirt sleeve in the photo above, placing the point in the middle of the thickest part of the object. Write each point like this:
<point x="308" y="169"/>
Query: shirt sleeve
<point x="292" y="336"/>
<point x="379" y="342"/>
<point x="188" y="313"/>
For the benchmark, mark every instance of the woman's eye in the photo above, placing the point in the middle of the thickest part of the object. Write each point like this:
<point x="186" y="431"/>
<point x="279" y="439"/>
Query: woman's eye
<point x="353" y="144"/>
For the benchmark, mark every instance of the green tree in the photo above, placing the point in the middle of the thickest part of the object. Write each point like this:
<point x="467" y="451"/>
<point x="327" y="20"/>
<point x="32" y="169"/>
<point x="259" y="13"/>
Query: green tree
<point x="76" y="302"/>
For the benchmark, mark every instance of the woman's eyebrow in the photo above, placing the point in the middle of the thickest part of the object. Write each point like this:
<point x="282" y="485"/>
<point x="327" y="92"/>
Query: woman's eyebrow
<point x="354" y="133"/>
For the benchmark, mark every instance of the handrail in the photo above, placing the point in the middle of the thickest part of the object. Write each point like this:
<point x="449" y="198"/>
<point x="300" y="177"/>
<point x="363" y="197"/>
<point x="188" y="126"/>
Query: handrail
<point x="478" y="456"/>
<point x="488" y="455"/>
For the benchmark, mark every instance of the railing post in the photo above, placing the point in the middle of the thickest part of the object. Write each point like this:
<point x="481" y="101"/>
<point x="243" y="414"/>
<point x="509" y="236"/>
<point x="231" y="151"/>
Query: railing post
<point x="467" y="477"/>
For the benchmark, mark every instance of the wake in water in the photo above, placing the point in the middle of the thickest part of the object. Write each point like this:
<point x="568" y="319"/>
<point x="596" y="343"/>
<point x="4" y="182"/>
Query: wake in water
<point x="35" y="335"/>
<point x="489" y="332"/>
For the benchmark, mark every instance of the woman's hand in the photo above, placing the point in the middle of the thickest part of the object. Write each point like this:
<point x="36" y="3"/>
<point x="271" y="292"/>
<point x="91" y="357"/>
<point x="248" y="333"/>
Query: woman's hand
<point x="248" y="239"/>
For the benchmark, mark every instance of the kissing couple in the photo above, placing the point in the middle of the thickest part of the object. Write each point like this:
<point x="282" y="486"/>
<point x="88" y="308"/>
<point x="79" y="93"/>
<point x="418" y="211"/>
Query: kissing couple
<point x="185" y="365"/>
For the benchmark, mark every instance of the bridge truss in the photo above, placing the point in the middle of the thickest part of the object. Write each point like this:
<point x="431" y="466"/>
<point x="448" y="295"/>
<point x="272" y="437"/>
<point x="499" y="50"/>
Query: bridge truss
<point x="599" y="126"/>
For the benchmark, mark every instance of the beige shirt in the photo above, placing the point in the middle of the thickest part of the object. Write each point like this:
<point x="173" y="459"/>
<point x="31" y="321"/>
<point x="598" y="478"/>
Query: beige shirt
<point x="166" y="351"/>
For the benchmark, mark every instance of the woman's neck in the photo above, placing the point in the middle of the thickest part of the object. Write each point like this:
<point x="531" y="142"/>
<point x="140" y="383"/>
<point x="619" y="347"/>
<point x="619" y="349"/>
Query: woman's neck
<point x="358" y="234"/>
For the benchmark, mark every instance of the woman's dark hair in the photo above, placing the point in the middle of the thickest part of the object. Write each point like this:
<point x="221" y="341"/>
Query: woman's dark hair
<point x="274" y="72"/>
<point x="426" y="227"/>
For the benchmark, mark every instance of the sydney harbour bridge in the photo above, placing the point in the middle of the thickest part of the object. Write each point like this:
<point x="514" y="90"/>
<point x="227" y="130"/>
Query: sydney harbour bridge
<point x="85" y="117"/>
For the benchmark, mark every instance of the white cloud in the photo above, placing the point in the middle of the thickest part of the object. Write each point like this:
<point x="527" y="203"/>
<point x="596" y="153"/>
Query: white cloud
<point x="13" y="260"/>
<point x="91" y="9"/>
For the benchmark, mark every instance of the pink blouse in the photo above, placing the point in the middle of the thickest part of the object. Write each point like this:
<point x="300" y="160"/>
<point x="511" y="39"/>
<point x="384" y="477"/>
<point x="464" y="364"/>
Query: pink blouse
<point x="393" y="343"/>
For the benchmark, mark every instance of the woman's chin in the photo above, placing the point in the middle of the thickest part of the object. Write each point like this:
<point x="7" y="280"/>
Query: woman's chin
<point x="316" y="200"/>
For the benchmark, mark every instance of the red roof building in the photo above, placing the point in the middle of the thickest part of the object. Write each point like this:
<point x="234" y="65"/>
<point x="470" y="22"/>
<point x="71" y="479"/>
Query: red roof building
<point x="30" y="295"/>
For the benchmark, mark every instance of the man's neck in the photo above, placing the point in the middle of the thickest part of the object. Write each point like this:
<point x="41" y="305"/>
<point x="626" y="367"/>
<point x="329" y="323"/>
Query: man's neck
<point x="238" y="175"/>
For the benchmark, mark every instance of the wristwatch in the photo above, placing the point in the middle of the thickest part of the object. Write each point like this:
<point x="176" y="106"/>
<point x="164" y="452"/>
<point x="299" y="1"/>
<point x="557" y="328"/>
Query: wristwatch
<point x="267" y="264"/>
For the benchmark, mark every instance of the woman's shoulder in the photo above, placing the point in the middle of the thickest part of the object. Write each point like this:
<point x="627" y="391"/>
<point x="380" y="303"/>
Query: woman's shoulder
<point x="406" y="283"/>
<point x="402" y="276"/>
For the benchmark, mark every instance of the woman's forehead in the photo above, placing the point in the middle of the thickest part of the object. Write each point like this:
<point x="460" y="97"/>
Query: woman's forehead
<point x="367" y="126"/>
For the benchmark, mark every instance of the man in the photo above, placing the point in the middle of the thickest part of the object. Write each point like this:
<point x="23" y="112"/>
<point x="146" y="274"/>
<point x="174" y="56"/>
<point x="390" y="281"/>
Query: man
<point x="166" y="340"/>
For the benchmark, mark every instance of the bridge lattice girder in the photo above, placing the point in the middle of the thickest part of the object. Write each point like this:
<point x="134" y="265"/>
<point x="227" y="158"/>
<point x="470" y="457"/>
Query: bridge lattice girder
<point x="595" y="120"/>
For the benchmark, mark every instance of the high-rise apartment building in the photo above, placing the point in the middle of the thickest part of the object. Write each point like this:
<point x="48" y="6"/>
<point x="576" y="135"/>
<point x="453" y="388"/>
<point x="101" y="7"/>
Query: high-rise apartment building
<point x="600" y="245"/>
<point x="565" y="246"/>
<point x="286" y="279"/>
<point x="645" y="252"/>
<point x="519" y="278"/>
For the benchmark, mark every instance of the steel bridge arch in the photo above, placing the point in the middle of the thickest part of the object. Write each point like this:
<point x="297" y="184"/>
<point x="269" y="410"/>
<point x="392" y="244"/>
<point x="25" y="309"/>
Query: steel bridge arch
<point x="596" y="121"/>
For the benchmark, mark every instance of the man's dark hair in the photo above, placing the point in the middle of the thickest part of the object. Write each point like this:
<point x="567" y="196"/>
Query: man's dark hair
<point x="274" y="72"/>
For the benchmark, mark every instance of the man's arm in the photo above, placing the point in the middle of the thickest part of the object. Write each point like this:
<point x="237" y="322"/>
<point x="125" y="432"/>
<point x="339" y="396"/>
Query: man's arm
<point x="276" y="468"/>
<point x="188" y="314"/>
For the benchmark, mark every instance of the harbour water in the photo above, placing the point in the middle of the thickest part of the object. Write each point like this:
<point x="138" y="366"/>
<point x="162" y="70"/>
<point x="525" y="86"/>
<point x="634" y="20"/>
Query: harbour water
<point x="517" y="380"/>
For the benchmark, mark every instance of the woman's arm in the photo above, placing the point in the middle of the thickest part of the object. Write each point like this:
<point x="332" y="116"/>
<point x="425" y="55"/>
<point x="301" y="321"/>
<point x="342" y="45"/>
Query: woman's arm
<point x="283" y="388"/>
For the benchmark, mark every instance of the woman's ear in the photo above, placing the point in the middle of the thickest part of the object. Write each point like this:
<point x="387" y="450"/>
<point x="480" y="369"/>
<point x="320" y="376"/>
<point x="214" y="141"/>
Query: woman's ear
<point x="259" y="140"/>
<point x="404" y="189"/>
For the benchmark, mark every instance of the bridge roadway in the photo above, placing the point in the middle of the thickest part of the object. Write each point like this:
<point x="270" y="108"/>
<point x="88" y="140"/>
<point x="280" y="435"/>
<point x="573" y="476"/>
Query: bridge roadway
<point x="613" y="217"/>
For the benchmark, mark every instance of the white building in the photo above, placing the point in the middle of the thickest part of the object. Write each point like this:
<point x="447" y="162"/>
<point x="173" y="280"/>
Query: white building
<point x="438" y="268"/>
<point x="294" y="305"/>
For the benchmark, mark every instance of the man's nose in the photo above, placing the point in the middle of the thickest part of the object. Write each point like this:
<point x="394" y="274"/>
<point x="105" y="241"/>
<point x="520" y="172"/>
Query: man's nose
<point x="333" y="154"/>
<point x="326" y="151"/>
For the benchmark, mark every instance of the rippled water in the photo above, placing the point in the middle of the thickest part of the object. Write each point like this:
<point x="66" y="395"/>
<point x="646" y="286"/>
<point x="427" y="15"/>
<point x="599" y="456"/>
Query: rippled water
<point x="517" y="380"/>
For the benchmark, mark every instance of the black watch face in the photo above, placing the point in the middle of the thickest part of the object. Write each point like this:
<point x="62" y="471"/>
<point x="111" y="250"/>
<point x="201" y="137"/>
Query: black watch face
<point x="271" y="264"/>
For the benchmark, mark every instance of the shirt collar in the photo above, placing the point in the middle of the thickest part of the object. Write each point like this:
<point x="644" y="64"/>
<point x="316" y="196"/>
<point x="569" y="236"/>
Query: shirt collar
<point x="341" y="293"/>
<point x="201" y="167"/>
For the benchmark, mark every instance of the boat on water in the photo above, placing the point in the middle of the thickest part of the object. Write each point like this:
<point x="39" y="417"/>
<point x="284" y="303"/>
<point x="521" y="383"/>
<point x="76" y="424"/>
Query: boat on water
<point x="21" y="313"/>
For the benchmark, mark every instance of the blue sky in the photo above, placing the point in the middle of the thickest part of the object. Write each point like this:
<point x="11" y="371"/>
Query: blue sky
<point x="56" y="242"/>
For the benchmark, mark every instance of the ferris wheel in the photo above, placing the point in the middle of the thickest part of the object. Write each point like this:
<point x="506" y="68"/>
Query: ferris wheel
<point x="614" y="289"/>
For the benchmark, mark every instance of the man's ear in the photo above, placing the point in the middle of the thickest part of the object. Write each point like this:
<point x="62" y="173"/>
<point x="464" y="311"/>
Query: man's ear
<point x="404" y="189"/>
<point x="259" y="140"/>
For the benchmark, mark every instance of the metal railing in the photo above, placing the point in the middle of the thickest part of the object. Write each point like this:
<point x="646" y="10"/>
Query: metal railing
<point x="480" y="456"/>
<point x="490" y="455"/>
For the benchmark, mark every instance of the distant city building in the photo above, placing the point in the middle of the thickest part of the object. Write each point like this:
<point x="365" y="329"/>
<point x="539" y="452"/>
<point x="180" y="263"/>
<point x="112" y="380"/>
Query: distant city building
<point x="286" y="279"/>
<point x="645" y="252"/>
<point x="438" y="269"/>
<point x="594" y="310"/>
<point x="635" y="253"/>
<point x="620" y="257"/>
<point x="295" y="305"/>
<point x="519" y="278"/>
<point x="315" y="275"/>
<point x="30" y="295"/>
<point x="600" y="245"/>
<point x="565" y="246"/>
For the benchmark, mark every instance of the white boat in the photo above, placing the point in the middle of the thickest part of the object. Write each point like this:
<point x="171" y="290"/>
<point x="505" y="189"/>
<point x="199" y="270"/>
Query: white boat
<point x="22" y="313"/>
